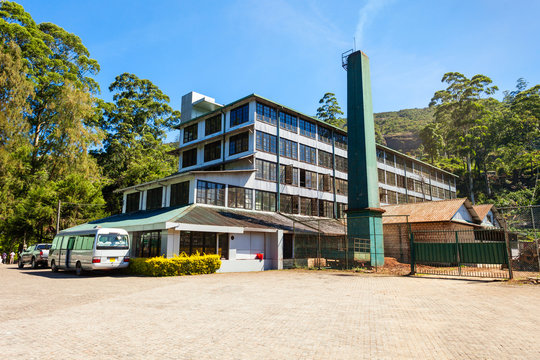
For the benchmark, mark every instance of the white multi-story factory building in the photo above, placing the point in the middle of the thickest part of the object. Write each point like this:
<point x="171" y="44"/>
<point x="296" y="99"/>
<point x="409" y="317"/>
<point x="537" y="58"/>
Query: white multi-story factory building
<point x="246" y="172"/>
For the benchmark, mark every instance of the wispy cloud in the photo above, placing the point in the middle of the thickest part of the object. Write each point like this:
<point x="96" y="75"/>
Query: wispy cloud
<point x="366" y="15"/>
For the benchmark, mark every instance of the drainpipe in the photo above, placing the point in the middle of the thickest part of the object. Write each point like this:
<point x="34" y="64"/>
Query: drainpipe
<point x="277" y="164"/>
<point x="223" y="140"/>
<point x="334" y="173"/>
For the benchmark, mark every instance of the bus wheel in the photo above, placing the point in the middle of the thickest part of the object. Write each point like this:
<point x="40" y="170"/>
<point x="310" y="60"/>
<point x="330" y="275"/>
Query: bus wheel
<point x="78" y="268"/>
<point x="54" y="268"/>
<point x="20" y="264"/>
<point x="33" y="264"/>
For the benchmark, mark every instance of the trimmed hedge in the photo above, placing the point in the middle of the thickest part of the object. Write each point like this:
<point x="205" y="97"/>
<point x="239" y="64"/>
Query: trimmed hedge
<point x="176" y="266"/>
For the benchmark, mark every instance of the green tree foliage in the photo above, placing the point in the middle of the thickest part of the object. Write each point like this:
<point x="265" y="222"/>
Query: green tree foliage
<point x="330" y="111"/>
<point x="136" y="123"/>
<point x="496" y="142"/>
<point x="46" y="136"/>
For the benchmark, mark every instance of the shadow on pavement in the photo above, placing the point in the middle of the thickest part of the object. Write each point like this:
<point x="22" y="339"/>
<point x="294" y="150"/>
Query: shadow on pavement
<point x="61" y="274"/>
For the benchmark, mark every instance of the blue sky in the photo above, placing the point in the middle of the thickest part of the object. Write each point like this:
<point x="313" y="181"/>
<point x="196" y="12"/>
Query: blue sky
<point x="290" y="51"/>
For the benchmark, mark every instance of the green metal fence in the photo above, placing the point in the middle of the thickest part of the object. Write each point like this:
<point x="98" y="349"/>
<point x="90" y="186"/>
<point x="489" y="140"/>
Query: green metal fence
<point x="476" y="253"/>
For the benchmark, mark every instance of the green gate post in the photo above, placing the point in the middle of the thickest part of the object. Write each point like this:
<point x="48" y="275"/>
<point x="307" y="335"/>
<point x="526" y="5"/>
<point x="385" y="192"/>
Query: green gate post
<point x="413" y="258"/>
<point x="457" y="253"/>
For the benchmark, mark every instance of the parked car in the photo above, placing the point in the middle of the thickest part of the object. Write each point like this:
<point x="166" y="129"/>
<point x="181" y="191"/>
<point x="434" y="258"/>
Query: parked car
<point x="35" y="255"/>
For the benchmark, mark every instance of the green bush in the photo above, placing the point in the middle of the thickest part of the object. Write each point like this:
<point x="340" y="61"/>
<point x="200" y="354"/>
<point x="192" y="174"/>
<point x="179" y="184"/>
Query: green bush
<point x="176" y="266"/>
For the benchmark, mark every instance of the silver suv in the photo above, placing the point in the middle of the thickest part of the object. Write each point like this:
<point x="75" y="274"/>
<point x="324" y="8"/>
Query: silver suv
<point x="35" y="255"/>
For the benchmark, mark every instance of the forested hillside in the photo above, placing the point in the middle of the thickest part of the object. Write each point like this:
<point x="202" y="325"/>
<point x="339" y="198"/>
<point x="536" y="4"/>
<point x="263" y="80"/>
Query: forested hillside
<point x="401" y="129"/>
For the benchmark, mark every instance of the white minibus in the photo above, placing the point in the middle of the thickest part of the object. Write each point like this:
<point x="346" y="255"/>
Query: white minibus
<point x="94" y="249"/>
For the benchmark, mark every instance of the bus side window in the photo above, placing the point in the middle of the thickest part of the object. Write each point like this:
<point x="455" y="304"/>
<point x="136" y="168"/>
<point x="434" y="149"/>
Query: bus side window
<point x="63" y="245"/>
<point x="88" y="242"/>
<point x="70" y="243"/>
<point x="54" y="243"/>
<point x="78" y="243"/>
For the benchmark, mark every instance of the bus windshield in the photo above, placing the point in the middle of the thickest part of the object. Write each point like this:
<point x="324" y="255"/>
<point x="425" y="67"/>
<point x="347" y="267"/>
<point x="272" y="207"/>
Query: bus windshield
<point x="112" y="241"/>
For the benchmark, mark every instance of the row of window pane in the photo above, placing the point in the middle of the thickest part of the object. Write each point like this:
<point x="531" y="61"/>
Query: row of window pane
<point x="308" y="154"/>
<point x="288" y="148"/>
<point x="212" y="125"/>
<point x="190" y="133"/>
<point x="212" y="151"/>
<point x="266" y="114"/>
<point x="325" y="159"/>
<point x="288" y="121"/>
<point x="239" y="197"/>
<point x="239" y="143"/>
<point x="307" y="128"/>
<point x="239" y="115"/>
<point x="265" y="200"/>
<point x="266" y="142"/>
<point x="266" y="170"/>
<point x="210" y="193"/>
<point x="342" y="164"/>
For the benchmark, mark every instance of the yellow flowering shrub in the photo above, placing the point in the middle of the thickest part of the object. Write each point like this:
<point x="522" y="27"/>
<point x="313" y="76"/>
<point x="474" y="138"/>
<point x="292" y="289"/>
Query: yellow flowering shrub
<point x="175" y="266"/>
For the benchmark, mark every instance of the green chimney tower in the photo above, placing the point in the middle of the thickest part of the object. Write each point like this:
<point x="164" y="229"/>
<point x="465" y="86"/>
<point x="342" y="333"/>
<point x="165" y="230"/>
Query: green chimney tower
<point x="364" y="215"/>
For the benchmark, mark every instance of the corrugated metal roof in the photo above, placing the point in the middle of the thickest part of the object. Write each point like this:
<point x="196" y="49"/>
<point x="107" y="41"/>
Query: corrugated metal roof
<point x="136" y="219"/>
<point x="213" y="216"/>
<point x="430" y="211"/>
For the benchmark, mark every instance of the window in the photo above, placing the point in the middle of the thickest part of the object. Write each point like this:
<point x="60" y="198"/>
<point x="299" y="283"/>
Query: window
<point x="288" y="204"/>
<point x="132" y="202"/>
<point x="325" y="159"/>
<point x="341" y="164"/>
<point x="239" y="197"/>
<point x="212" y="125"/>
<point x="326" y="208"/>
<point x="287" y="121"/>
<point x="288" y="148"/>
<point x="307" y="128"/>
<point x="382" y="196"/>
<point x="401" y="181"/>
<point x="307" y="154"/>
<point x="190" y="133"/>
<point x="391" y="196"/>
<point x="340" y="141"/>
<point x="402" y="198"/>
<point x="239" y="143"/>
<point x="210" y="193"/>
<point x="154" y="198"/>
<point x="382" y="179"/>
<point x="342" y="186"/>
<point x="390" y="178"/>
<point x="288" y="175"/>
<point x="192" y="242"/>
<point x="308" y="206"/>
<point x="341" y="210"/>
<point x="189" y="158"/>
<point x="266" y="114"/>
<point x="326" y="183"/>
<point x="325" y="135"/>
<point x="400" y="163"/>
<point x="180" y="193"/>
<point x="266" y="142"/>
<point x="212" y="151"/>
<point x="265" y="201"/>
<point x="112" y="241"/>
<point x="240" y="115"/>
<point x="266" y="170"/>
<point x="147" y="243"/>
<point x="308" y="179"/>
<point x="380" y="156"/>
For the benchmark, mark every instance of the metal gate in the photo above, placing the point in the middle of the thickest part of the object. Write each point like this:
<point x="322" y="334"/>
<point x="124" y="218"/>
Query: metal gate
<point x="477" y="253"/>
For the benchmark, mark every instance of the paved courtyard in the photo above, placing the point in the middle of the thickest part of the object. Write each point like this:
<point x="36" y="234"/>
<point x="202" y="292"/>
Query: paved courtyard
<point x="270" y="315"/>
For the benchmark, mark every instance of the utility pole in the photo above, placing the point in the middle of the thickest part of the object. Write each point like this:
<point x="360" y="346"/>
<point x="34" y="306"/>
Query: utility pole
<point x="58" y="217"/>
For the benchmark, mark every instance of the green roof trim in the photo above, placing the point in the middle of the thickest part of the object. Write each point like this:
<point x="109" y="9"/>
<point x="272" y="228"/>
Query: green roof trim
<point x="139" y="219"/>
